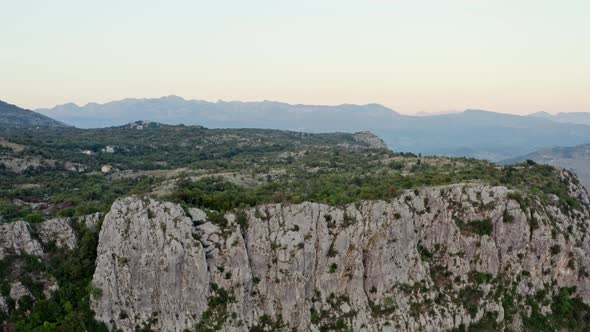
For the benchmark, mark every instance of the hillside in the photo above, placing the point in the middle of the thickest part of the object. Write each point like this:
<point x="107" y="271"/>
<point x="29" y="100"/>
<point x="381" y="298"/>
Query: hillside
<point x="268" y="230"/>
<point x="472" y="133"/>
<point x="12" y="116"/>
<point x="566" y="117"/>
<point x="576" y="158"/>
<point x="49" y="163"/>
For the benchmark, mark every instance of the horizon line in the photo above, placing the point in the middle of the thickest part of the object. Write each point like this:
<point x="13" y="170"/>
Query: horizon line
<point x="417" y="114"/>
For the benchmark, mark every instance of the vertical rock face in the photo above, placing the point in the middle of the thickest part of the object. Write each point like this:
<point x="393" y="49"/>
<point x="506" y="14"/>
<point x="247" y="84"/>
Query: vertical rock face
<point x="16" y="238"/>
<point x="20" y="238"/>
<point x="150" y="269"/>
<point x="432" y="259"/>
<point x="58" y="230"/>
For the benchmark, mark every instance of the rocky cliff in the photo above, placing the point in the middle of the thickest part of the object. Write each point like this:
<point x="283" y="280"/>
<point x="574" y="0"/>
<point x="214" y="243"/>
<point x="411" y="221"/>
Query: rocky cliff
<point x="151" y="269"/>
<point x="25" y="249"/>
<point x="21" y="238"/>
<point x="373" y="141"/>
<point x="440" y="258"/>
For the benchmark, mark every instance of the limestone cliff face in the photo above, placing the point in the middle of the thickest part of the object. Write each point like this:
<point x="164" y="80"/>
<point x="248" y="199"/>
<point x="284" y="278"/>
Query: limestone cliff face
<point x="432" y="259"/>
<point x="149" y="267"/>
<point x="19" y="238"/>
<point x="16" y="238"/>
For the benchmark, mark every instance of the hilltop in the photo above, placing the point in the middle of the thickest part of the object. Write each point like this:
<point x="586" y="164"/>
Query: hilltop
<point x="576" y="158"/>
<point x="12" y="116"/>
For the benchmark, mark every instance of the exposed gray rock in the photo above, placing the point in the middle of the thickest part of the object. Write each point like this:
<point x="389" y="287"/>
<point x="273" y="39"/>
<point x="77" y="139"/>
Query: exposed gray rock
<point x="19" y="165"/>
<point x="17" y="291"/>
<point x="149" y="267"/>
<point x="431" y="260"/>
<point x="57" y="230"/>
<point x="197" y="215"/>
<point x="373" y="141"/>
<point x="3" y="306"/>
<point x="49" y="287"/>
<point x="75" y="167"/>
<point x="92" y="220"/>
<point x="16" y="239"/>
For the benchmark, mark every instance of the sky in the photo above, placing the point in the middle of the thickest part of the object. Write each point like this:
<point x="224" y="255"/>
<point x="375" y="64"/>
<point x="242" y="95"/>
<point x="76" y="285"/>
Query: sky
<point x="517" y="56"/>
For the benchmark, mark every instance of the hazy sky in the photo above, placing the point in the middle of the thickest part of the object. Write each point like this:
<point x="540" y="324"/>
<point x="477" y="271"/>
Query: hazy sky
<point x="516" y="56"/>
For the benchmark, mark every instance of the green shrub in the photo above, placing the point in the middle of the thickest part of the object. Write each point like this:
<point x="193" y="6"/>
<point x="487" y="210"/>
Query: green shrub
<point x="479" y="227"/>
<point x="333" y="268"/>
<point x="34" y="218"/>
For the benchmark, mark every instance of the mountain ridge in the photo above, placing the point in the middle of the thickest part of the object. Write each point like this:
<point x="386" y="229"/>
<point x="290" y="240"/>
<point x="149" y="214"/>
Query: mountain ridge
<point x="471" y="133"/>
<point x="12" y="116"/>
<point x="565" y="117"/>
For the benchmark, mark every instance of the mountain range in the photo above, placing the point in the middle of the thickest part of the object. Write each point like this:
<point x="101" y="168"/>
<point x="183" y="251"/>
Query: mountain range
<point x="472" y="133"/>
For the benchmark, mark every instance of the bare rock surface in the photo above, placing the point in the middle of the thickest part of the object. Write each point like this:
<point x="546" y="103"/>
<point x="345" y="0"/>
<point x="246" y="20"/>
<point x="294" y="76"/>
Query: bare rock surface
<point x="59" y="231"/>
<point x="373" y="141"/>
<point x="91" y="221"/>
<point x="19" y="165"/>
<point x="430" y="260"/>
<point x="18" y="291"/>
<point x="150" y="269"/>
<point x="22" y="238"/>
<point x="23" y="243"/>
<point x="16" y="239"/>
<point x="3" y="306"/>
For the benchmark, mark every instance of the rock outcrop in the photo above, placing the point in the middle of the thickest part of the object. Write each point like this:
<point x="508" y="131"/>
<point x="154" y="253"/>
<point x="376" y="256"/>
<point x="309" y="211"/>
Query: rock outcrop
<point x="92" y="221"/>
<point x="151" y="270"/>
<point x="24" y="250"/>
<point x="432" y="259"/>
<point x="18" y="291"/>
<point x="16" y="238"/>
<point x="20" y="165"/>
<point x="20" y="238"/>
<point x="373" y="141"/>
<point x="59" y="231"/>
<point x="3" y="307"/>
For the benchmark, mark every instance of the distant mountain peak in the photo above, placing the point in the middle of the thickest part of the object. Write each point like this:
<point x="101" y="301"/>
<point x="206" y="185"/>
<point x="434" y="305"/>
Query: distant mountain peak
<point x="478" y="111"/>
<point x="564" y="117"/>
<point x="541" y="114"/>
<point x="172" y="97"/>
<point x="485" y="114"/>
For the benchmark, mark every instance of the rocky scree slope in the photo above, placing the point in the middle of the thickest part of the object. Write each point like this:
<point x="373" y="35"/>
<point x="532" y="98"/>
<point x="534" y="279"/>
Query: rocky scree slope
<point x="438" y="258"/>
